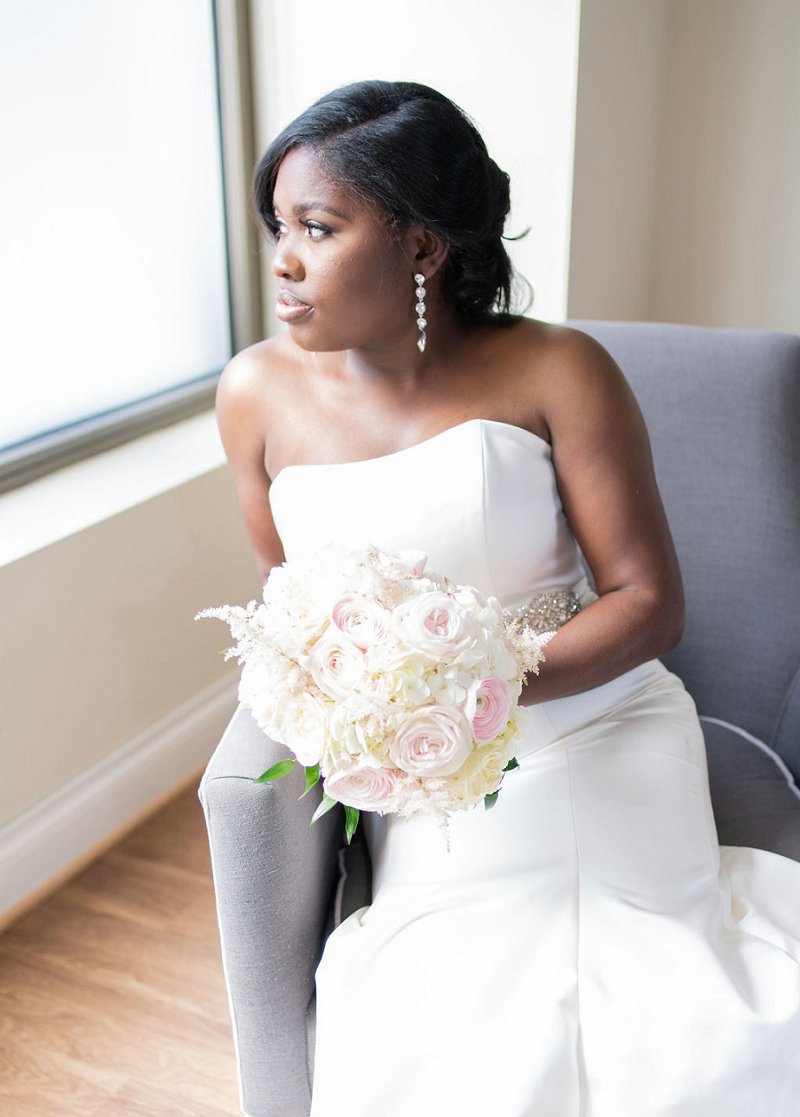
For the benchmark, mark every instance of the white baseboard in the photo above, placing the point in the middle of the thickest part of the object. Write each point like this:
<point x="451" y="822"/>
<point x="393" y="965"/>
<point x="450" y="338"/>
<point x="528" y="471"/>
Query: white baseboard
<point x="49" y="842"/>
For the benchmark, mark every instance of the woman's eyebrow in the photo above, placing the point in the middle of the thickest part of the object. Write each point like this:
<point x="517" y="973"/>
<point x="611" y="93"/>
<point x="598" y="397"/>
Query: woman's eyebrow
<point x="304" y="207"/>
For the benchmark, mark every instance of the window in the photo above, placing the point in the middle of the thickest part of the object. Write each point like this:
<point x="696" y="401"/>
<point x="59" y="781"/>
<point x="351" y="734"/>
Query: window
<point x="114" y="269"/>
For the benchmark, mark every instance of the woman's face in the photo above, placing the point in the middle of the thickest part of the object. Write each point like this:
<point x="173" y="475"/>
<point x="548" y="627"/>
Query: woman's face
<point x="344" y="282"/>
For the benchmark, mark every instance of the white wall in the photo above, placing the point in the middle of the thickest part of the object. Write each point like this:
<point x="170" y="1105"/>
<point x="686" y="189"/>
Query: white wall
<point x="511" y="66"/>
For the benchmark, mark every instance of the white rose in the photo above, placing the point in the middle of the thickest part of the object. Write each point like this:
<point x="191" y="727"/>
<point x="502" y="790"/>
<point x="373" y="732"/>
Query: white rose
<point x="435" y="624"/>
<point x="303" y="727"/>
<point x="365" y="788"/>
<point x="336" y="664"/>
<point x="413" y="560"/>
<point x="262" y="691"/>
<point x="483" y="772"/>
<point x="292" y="617"/>
<point x="471" y="597"/>
<point x="433" y="741"/>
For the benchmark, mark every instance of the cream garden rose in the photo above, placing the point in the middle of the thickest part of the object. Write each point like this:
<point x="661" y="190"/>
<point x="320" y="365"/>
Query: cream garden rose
<point x="433" y="741"/>
<point x="336" y="664"/>
<point x="484" y="769"/>
<point x="436" y="625"/>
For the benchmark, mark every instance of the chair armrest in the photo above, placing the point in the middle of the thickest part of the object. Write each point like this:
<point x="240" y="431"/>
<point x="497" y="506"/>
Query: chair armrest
<point x="274" y="878"/>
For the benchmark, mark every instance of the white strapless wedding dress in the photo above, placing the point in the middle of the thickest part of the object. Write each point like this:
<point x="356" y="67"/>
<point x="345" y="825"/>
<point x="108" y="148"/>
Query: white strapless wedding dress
<point x="586" y="948"/>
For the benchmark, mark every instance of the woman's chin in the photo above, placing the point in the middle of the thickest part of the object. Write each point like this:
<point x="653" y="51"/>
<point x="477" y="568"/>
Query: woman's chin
<point x="306" y="340"/>
<point x="315" y="341"/>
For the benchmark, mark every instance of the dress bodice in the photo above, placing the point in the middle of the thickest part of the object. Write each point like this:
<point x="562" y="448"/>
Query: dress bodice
<point x="480" y="499"/>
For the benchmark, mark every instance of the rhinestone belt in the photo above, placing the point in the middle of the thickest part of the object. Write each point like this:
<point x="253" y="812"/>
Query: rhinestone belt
<point x="547" y="611"/>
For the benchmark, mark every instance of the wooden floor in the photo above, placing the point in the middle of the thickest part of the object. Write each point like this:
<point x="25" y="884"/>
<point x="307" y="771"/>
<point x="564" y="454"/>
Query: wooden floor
<point x="112" y="999"/>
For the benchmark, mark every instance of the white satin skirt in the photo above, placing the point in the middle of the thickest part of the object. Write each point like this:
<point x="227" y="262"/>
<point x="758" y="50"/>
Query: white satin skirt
<point x="585" y="948"/>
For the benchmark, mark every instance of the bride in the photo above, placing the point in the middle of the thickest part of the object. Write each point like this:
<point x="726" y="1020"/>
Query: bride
<point x="585" y="947"/>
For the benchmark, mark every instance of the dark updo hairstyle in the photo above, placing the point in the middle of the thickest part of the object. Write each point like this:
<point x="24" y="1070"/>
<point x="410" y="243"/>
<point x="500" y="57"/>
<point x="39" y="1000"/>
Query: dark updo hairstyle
<point x="420" y="156"/>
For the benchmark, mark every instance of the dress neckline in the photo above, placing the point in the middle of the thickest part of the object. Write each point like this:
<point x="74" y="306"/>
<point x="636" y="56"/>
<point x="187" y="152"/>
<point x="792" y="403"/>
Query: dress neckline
<point x="414" y="446"/>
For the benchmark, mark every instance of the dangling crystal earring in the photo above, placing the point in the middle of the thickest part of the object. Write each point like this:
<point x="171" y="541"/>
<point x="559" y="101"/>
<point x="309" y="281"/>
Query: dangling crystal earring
<point x="419" y="279"/>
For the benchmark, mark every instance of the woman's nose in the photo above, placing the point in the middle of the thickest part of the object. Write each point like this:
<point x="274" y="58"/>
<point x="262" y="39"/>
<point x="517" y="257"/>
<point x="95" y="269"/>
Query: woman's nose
<point x="286" y="264"/>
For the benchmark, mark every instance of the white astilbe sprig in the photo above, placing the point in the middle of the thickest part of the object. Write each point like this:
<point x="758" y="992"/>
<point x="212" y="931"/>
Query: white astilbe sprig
<point x="527" y="645"/>
<point x="246" y="625"/>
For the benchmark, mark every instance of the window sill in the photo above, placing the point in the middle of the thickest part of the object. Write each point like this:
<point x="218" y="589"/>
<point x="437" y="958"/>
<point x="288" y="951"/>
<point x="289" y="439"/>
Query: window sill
<point x="71" y="499"/>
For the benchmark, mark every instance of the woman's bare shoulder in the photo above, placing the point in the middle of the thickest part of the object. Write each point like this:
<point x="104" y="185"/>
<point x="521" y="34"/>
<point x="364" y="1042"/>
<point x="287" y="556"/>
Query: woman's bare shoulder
<point x="550" y="370"/>
<point x="258" y="367"/>
<point x="553" y="348"/>
<point x="561" y="368"/>
<point x="255" y="390"/>
<point x="258" y="387"/>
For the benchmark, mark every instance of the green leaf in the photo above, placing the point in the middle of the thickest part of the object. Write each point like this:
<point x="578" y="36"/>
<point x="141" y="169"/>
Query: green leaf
<point x="276" y="772"/>
<point x="326" y="805"/>
<point x="512" y="764"/>
<point x="490" y="800"/>
<point x="351" y="817"/>
<point x="312" y="778"/>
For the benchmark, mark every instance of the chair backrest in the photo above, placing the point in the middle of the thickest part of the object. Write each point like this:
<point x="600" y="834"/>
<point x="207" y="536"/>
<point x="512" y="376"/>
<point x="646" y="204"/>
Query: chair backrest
<point x="723" y="410"/>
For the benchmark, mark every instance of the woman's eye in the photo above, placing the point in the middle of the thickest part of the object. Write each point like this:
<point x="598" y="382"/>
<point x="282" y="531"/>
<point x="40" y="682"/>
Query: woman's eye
<point x="315" y="231"/>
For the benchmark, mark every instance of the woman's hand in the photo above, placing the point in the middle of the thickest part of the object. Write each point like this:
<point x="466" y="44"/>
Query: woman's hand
<point x="604" y="471"/>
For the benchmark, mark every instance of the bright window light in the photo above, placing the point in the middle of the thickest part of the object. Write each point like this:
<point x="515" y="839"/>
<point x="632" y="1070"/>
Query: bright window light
<point x="113" y="274"/>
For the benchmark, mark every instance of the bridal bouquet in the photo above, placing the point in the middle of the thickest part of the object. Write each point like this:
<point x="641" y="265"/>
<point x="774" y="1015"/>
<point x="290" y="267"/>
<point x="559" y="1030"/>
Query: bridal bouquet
<point x="396" y="687"/>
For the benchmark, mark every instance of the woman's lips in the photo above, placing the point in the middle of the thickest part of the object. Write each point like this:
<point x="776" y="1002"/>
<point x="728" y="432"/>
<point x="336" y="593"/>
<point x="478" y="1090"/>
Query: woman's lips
<point x="289" y="308"/>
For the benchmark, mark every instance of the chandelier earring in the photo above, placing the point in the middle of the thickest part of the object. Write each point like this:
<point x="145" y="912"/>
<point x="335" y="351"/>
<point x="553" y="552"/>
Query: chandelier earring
<point x="419" y="279"/>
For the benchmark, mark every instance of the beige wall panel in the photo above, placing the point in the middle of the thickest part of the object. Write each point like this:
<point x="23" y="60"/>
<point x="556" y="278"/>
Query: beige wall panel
<point x="727" y="215"/>
<point x="621" y="74"/>
<point x="99" y="632"/>
<point x="687" y="163"/>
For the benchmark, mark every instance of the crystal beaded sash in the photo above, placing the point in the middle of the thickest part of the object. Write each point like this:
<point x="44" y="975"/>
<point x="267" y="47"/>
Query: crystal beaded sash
<point x="546" y="612"/>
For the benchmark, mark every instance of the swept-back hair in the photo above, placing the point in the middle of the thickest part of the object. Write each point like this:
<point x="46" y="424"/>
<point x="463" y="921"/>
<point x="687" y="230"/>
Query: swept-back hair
<point x="419" y="155"/>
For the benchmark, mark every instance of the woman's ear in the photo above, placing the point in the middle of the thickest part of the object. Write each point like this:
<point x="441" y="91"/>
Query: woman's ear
<point x="427" y="251"/>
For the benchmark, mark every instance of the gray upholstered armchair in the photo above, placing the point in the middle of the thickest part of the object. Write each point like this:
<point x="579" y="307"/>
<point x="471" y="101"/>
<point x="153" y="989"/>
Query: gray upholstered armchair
<point x="723" y="410"/>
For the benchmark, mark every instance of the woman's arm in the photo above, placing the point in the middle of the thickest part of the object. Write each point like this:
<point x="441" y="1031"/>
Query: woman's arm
<point x="240" y="417"/>
<point x="604" y="471"/>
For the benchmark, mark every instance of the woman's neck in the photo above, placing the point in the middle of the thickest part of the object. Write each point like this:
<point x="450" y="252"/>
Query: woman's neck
<point x="398" y="364"/>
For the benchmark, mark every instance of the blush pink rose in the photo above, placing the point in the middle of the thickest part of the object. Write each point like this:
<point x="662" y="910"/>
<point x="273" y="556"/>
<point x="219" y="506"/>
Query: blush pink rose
<point x="364" y="788"/>
<point x="487" y="706"/>
<point x="433" y="741"/>
<point x="364" y="621"/>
